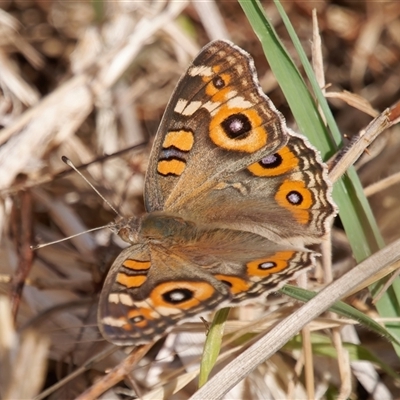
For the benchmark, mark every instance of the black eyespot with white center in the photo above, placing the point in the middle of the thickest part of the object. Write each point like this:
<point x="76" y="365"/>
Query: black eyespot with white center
<point x="236" y="126"/>
<point x="137" y="319"/>
<point x="177" y="296"/>
<point x="271" y="161"/>
<point x="266" y="265"/>
<point x="294" y="197"/>
<point x="218" y="82"/>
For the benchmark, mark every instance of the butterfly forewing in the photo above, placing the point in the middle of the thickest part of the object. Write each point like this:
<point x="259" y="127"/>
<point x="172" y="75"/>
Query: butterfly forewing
<point x="217" y="121"/>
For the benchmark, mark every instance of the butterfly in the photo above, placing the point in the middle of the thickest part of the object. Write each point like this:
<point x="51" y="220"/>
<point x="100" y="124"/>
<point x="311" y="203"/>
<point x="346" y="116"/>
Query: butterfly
<point x="233" y="198"/>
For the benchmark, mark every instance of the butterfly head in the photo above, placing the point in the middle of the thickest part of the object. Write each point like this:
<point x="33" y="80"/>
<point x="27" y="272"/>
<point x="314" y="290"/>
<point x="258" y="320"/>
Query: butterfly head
<point x="128" y="229"/>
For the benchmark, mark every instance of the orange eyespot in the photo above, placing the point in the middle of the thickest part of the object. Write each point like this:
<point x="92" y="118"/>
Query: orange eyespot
<point x="297" y="198"/>
<point x="269" y="265"/>
<point x="217" y="87"/>
<point x="238" y="129"/>
<point x="276" y="164"/>
<point x="180" y="295"/>
<point x="139" y="317"/>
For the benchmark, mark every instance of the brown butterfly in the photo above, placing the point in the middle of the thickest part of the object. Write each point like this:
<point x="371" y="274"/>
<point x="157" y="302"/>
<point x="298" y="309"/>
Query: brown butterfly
<point x="232" y="197"/>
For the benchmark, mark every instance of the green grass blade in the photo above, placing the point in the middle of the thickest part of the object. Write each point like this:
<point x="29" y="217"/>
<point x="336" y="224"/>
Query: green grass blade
<point x="212" y="345"/>
<point x="342" y="309"/>
<point x="292" y="84"/>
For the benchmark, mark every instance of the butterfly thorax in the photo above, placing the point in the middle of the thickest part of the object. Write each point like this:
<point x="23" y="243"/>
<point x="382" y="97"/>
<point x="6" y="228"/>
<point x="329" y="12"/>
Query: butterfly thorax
<point x="155" y="227"/>
<point x="168" y="230"/>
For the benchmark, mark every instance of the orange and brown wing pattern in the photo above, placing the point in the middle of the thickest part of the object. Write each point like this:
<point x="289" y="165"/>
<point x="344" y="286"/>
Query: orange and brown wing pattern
<point x="284" y="196"/>
<point x="267" y="274"/>
<point x="148" y="292"/>
<point x="233" y="197"/>
<point x="249" y="264"/>
<point x="145" y="296"/>
<point x="217" y="121"/>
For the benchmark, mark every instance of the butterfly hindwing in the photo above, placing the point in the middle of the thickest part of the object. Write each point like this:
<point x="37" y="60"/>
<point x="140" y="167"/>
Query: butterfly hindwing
<point x="285" y="195"/>
<point x="151" y="290"/>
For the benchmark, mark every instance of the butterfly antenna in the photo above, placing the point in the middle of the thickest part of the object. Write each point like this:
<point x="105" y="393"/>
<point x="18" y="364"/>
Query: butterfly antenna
<point x="40" y="246"/>
<point x="67" y="161"/>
